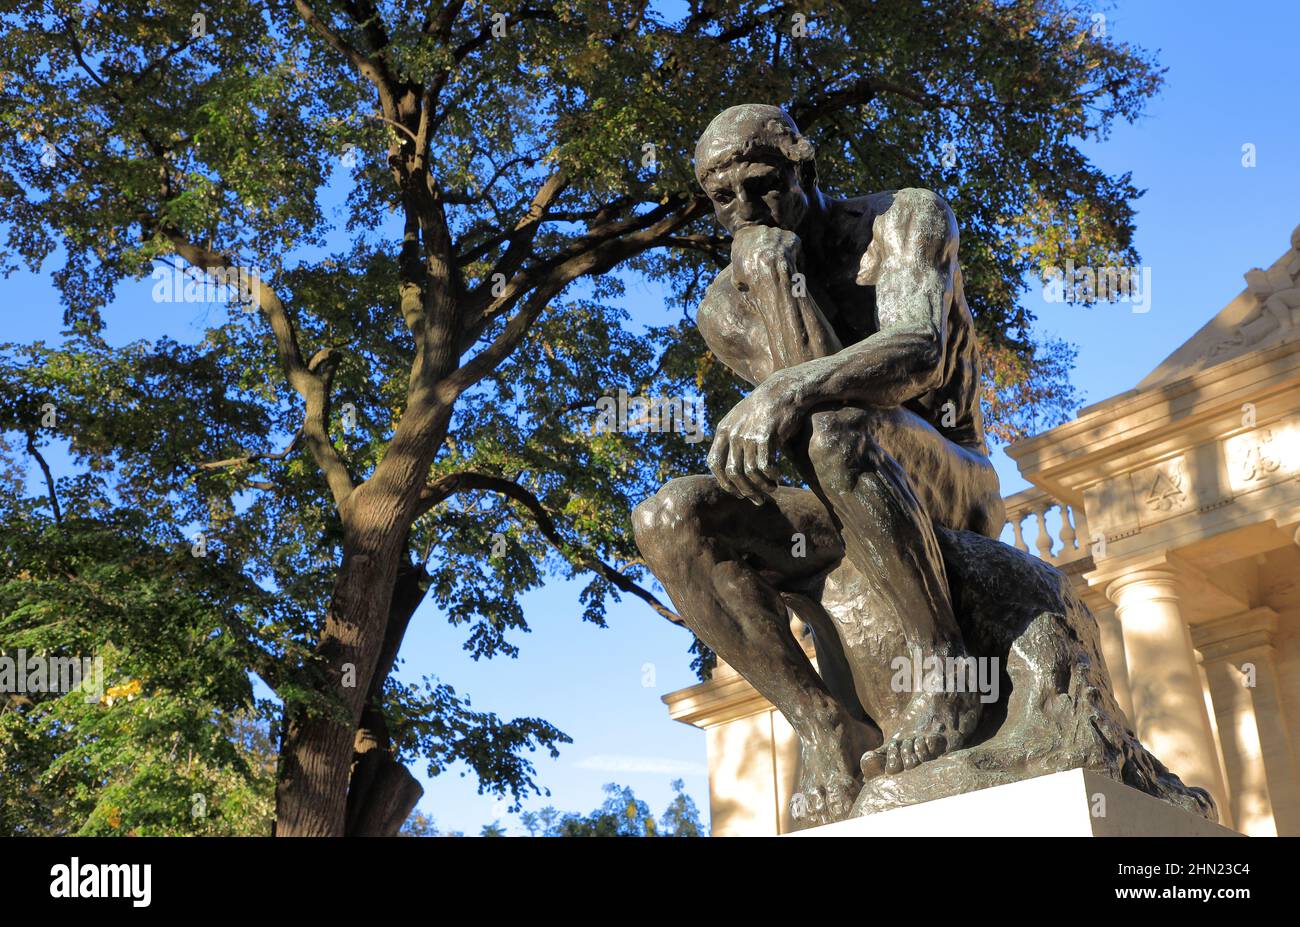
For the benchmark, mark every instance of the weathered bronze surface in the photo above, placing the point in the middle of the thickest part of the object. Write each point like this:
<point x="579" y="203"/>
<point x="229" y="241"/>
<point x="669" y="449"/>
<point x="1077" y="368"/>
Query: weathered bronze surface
<point x="946" y="660"/>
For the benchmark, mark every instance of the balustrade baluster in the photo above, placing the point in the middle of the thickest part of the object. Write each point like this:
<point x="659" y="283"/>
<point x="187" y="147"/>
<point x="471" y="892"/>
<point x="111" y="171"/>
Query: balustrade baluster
<point x="1068" y="535"/>
<point x="1016" y="518"/>
<point x="1044" y="540"/>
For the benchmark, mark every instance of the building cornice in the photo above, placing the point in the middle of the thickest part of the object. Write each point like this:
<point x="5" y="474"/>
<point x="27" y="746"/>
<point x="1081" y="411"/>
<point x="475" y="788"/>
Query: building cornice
<point x="1141" y="426"/>
<point x="725" y="697"/>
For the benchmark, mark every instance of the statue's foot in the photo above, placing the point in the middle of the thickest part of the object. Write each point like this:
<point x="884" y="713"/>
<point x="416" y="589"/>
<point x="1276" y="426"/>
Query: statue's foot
<point x="934" y="723"/>
<point x="825" y="803"/>
<point x="829" y="778"/>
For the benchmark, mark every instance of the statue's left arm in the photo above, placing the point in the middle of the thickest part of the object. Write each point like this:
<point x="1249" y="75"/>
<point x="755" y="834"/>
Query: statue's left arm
<point x="912" y="262"/>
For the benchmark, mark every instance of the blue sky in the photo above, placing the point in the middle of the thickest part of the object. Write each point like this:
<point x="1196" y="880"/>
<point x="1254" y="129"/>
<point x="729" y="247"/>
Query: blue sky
<point x="1204" y="221"/>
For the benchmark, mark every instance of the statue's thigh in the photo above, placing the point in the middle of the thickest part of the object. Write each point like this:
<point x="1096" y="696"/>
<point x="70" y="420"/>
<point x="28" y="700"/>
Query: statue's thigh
<point x="957" y="487"/>
<point x="790" y="539"/>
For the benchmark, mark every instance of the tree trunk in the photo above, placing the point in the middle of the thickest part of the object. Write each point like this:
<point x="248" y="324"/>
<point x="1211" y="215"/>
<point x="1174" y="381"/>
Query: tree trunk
<point x="316" y="754"/>
<point x="382" y="792"/>
<point x="318" y="747"/>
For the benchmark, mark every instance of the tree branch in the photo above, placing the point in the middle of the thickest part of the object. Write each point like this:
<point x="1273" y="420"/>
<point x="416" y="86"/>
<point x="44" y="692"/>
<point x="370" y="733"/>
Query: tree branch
<point x="445" y="486"/>
<point x="520" y="243"/>
<point x="548" y="279"/>
<point x="49" y="477"/>
<point x="603" y="230"/>
<point x="858" y="93"/>
<point x="252" y="458"/>
<point x="310" y="380"/>
<point x="375" y="71"/>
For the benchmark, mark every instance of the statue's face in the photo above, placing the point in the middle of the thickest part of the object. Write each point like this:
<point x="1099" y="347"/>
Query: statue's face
<point x="757" y="193"/>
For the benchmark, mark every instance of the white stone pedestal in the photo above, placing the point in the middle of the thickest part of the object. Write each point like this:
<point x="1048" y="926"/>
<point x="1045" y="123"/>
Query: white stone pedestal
<point x="1077" y="803"/>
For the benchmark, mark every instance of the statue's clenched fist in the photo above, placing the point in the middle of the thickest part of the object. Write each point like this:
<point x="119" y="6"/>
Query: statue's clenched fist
<point x="762" y="253"/>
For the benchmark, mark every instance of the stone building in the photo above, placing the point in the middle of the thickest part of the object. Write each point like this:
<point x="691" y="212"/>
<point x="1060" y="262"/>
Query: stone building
<point x="1174" y="508"/>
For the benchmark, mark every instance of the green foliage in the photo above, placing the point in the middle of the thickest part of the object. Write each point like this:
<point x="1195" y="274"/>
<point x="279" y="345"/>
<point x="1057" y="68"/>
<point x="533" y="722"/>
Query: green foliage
<point x="1028" y="393"/>
<point x="438" y="725"/>
<point x="421" y="825"/>
<point x="174" y="744"/>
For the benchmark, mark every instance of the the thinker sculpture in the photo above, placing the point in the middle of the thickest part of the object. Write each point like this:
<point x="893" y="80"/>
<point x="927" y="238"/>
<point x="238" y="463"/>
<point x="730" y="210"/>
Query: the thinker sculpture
<point x="848" y="318"/>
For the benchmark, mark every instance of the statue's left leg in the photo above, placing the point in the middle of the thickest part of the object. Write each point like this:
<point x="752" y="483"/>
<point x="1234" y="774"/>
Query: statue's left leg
<point x="885" y="475"/>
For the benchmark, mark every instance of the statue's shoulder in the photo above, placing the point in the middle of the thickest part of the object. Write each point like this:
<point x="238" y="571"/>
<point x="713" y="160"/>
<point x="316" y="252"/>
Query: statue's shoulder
<point x="912" y="218"/>
<point x="917" y="207"/>
<point x="852" y="221"/>
<point x="866" y="209"/>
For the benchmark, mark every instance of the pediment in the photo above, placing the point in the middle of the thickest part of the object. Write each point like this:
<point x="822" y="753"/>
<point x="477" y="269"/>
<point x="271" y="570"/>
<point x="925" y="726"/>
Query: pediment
<point x="1265" y="313"/>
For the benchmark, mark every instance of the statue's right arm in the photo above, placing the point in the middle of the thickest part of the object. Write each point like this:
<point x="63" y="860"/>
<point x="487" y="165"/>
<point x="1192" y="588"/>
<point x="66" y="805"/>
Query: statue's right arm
<point x="732" y="331"/>
<point x="764" y="330"/>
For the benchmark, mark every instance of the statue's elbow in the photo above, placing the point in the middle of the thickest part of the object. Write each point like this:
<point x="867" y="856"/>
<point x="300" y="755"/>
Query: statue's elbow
<point x="928" y="364"/>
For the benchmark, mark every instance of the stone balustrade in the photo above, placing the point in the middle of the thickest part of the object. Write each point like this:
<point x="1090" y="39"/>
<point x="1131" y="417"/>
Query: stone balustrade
<point x="1072" y="536"/>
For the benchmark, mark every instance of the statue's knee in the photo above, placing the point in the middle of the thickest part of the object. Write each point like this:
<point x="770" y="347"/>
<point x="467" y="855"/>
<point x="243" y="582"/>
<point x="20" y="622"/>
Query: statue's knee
<point x="668" y="519"/>
<point x="716" y="319"/>
<point x="646" y="519"/>
<point x="840" y="447"/>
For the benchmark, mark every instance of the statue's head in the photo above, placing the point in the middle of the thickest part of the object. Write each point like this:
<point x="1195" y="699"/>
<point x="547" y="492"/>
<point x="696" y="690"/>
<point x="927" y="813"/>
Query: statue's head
<point x="756" y="167"/>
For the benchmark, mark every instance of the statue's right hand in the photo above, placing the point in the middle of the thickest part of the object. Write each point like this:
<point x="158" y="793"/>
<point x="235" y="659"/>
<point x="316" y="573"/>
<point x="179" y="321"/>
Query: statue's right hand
<point x="749" y="437"/>
<point x="763" y="252"/>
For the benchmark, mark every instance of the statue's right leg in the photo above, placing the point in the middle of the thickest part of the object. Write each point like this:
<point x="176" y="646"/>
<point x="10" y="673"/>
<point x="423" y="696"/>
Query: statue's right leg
<point x="725" y="563"/>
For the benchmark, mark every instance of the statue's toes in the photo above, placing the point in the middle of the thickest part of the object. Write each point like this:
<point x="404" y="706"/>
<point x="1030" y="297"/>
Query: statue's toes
<point x="902" y="753"/>
<point x="894" y="757"/>
<point x="828" y="806"/>
<point x="805" y="807"/>
<point x="873" y="764"/>
<point x="936" y="745"/>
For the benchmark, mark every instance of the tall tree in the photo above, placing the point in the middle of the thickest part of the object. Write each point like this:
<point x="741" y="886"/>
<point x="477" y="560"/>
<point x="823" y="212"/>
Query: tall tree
<point x="406" y="408"/>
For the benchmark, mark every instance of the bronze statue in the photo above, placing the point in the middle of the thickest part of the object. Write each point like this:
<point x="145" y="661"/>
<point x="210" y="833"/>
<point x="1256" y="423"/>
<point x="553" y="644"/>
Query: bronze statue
<point x="849" y="320"/>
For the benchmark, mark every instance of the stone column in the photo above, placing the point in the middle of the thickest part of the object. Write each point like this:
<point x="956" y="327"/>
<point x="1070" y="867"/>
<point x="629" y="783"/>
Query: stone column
<point x="1240" y="665"/>
<point x="1112" y="647"/>
<point x="1165" y="682"/>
